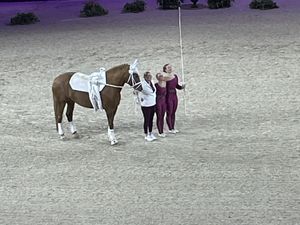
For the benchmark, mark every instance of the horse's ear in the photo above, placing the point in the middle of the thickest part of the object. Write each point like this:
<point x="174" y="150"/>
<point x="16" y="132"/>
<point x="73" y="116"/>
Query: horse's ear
<point x="133" y="66"/>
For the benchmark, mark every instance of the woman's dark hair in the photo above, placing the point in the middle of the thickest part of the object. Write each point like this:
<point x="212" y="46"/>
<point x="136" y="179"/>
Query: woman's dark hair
<point x="146" y="73"/>
<point x="165" y="67"/>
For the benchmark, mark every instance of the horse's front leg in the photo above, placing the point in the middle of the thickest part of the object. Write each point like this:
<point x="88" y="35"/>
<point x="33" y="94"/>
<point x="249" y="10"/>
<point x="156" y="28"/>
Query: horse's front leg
<point x="69" y="115"/>
<point x="110" y="131"/>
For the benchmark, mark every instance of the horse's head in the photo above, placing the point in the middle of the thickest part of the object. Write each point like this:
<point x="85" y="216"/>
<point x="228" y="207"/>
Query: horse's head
<point x="134" y="78"/>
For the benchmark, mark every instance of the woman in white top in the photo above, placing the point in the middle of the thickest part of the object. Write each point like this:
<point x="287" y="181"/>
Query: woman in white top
<point x="147" y="98"/>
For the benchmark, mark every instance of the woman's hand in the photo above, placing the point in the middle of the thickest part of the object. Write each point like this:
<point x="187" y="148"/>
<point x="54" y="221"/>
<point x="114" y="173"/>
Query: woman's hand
<point x="183" y="85"/>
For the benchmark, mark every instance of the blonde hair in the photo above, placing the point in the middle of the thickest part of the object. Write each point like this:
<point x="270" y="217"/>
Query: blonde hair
<point x="159" y="75"/>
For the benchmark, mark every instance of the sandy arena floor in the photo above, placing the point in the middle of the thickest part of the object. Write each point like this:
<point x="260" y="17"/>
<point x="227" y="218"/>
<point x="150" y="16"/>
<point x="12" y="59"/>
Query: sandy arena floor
<point x="236" y="159"/>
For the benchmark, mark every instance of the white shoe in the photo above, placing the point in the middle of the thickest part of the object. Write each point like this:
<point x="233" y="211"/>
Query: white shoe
<point x="172" y="131"/>
<point x="152" y="136"/>
<point x="162" y="135"/>
<point x="149" y="138"/>
<point x="176" y="131"/>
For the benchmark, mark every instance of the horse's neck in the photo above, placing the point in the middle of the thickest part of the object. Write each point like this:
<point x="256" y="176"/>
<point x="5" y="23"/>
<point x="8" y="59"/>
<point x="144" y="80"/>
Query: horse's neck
<point x="116" y="77"/>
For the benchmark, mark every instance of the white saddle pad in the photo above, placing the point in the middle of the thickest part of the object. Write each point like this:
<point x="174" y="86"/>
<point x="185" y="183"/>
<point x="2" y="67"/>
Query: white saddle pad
<point x="92" y="84"/>
<point x="80" y="81"/>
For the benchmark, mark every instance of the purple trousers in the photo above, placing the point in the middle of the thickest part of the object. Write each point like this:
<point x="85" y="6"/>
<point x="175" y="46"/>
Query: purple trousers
<point x="172" y="103"/>
<point x="148" y="113"/>
<point x="161" y="108"/>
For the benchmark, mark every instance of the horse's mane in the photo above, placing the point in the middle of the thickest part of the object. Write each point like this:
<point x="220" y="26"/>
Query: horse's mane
<point x="120" y="67"/>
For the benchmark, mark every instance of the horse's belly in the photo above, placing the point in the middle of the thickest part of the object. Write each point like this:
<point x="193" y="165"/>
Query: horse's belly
<point x="81" y="98"/>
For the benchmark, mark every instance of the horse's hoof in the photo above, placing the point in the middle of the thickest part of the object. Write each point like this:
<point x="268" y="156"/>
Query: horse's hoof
<point x="75" y="135"/>
<point x="62" y="137"/>
<point x="113" y="142"/>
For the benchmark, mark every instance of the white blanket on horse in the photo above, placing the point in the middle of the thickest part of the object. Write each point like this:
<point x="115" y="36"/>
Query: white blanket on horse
<point x="93" y="84"/>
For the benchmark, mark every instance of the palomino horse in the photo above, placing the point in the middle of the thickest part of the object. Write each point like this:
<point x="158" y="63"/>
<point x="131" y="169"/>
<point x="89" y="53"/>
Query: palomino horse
<point x="116" y="77"/>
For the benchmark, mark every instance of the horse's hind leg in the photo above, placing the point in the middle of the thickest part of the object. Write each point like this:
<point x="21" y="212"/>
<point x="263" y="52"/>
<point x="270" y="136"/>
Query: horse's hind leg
<point x="58" y="110"/>
<point x="69" y="115"/>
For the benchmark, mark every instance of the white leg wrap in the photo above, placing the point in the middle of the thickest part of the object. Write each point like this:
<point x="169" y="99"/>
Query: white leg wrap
<point x="60" y="129"/>
<point x="72" y="127"/>
<point x="111" y="136"/>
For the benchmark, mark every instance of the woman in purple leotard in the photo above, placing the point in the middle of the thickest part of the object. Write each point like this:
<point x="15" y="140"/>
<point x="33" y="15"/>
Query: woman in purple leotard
<point x="161" y="104"/>
<point x="172" y="84"/>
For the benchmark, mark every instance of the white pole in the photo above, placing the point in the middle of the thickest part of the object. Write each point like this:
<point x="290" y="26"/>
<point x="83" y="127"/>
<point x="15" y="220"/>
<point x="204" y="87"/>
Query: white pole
<point x="180" y="40"/>
<point x="181" y="56"/>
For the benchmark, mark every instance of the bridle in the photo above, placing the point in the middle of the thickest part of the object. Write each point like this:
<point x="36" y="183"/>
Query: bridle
<point x="131" y="79"/>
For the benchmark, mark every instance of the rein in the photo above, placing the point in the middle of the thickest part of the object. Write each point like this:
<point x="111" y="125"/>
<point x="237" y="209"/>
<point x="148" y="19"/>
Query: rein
<point x="114" y="86"/>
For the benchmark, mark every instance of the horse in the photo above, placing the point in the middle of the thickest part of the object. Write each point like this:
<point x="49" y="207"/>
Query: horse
<point x="116" y="78"/>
